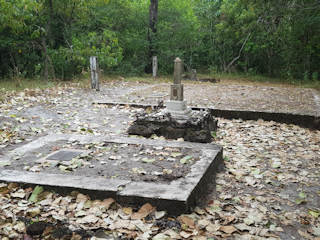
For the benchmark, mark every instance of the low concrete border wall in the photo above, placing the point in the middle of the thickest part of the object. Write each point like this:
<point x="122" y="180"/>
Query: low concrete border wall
<point x="306" y="121"/>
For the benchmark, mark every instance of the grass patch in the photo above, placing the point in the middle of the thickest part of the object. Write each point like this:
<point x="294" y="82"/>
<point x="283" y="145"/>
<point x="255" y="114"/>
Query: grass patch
<point x="83" y="81"/>
<point x="148" y="79"/>
<point x="21" y="84"/>
<point x="139" y="79"/>
<point x="242" y="77"/>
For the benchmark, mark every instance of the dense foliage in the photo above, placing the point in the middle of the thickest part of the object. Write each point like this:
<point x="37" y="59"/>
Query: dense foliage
<point x="54" y="38"/>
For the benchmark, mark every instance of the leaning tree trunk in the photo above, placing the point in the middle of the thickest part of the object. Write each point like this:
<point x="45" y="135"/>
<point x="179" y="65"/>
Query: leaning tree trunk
<point x="227" y="68"/>
<point x="152" y="30"/>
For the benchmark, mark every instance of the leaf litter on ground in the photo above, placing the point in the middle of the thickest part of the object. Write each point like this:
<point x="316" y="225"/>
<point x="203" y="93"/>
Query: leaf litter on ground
<point x="269" y="166"/>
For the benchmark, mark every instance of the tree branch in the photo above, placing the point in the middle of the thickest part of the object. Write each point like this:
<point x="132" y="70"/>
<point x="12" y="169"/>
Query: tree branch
<point x="239" y="55"/>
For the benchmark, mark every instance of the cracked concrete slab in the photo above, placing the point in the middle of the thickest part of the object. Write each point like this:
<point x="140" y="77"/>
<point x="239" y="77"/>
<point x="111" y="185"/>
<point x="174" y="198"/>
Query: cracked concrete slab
<point x="177" y="195"/>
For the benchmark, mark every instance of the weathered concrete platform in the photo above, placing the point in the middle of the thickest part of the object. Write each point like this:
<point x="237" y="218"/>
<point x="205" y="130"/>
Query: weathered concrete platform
<point x="176" y="196"/>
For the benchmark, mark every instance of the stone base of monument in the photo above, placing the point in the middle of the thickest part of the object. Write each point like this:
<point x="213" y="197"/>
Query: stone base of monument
<point x="192" y="126"/>
<point x="178" y="110"/>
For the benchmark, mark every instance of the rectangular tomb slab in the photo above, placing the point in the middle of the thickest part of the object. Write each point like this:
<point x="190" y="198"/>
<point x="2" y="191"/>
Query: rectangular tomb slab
<point x="176" y="193"/>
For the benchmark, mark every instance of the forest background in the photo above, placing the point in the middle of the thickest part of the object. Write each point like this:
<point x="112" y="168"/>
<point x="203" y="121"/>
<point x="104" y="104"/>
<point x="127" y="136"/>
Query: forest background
<point x="55" y="38"/>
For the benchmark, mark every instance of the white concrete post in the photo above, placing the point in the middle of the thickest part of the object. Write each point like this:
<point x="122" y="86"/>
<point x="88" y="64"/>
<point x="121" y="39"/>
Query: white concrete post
<point x="94" y="67"/>
<point x="154" y="66"/>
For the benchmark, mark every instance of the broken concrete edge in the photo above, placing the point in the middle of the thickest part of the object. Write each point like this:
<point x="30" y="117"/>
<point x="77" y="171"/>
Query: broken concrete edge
<point x="179" y="196"/>
<point x="302" y="120"/>
<point x="207" y="178"/>
<point x="175" y="197"/>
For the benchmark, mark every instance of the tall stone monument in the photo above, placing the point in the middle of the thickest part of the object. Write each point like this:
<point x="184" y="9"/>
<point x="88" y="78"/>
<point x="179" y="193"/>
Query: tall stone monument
<point x="176" y="120"/>
<point x="177" y="106"/>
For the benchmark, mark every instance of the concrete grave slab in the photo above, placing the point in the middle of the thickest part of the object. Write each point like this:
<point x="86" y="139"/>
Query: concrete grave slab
<point x="176" y="194"/>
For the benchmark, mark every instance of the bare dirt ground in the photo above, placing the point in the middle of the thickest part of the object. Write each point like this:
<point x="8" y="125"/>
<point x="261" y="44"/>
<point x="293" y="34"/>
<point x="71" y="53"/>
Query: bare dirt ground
<point x="270" y="188"/>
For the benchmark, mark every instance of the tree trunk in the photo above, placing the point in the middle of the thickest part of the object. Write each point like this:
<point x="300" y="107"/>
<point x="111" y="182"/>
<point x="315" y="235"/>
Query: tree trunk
<point x="46" y="61"/>
<point x="152" y="30"/>
<point x="50" y="21"/>
<point x="153" y="15"/>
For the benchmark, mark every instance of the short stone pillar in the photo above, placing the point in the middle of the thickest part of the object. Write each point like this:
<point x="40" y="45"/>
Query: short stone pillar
<point x="193" y="75"/>
<point x="94" y="67"/>
<point x="154" y="66"/>
<point x="176" y="92"/>
<point x="177" y="107"/>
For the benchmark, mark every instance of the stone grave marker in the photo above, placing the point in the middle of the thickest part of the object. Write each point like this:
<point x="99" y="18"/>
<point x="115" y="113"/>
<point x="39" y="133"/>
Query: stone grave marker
<point x="176" y="120"/>
<point x="94" y="67"/>
<point x="154" y="66"/>
<point x="176" y="106"/>
<point x="193" y="76"/>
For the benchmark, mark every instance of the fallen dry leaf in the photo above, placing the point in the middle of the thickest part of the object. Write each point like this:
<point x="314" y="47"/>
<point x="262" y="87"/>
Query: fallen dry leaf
<point x="19" y="194"/>
<point x="187" y="221"/>
<point x="160" y="214"/>
<point x="88" y="219"/>
<point x="212" y="228"/>
<point x="107" y="203"/>
<point x="144" y="211"/>
<point x="203" y="223"/>
<point x="81" y="198"/>
<point x="228" y="219"/>
<point x="161" y="236"/>
<point x="228" y="229"/>
<point x="185" y="234"/>
<point x="127" y="210"/>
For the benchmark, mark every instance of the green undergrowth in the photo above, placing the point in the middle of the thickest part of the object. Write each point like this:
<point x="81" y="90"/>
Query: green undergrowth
<point x="263" y="79"/>
<point x="138" y="79"/>
<point x="83" y="81"/>
<point x="21" y="84"/>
